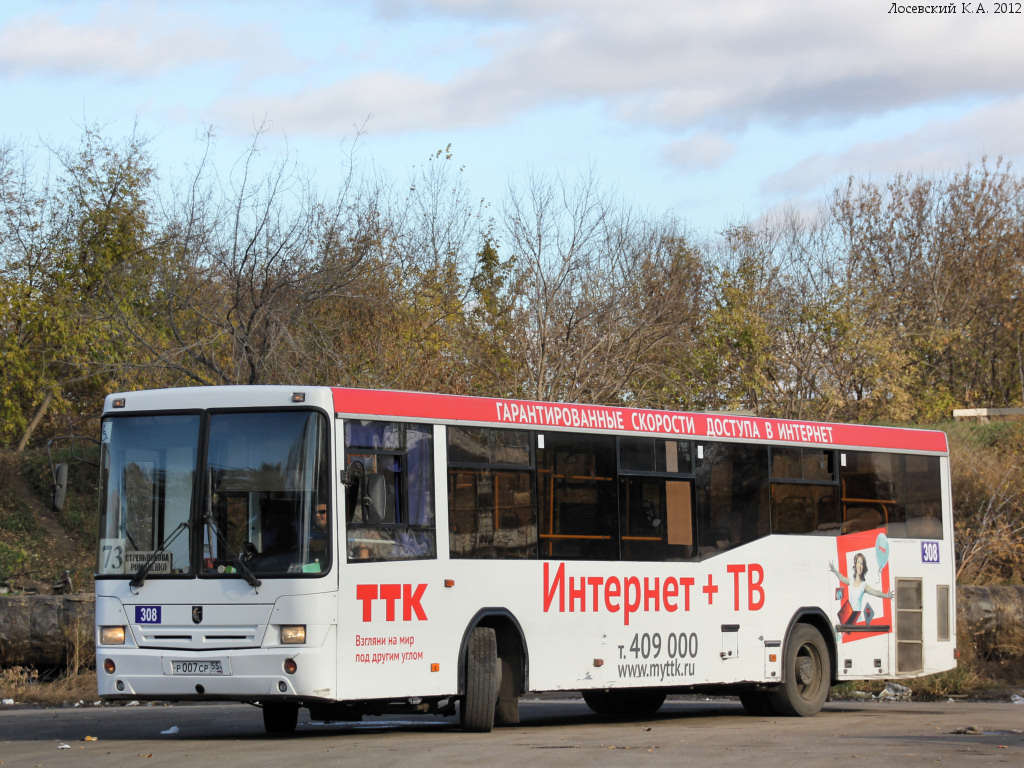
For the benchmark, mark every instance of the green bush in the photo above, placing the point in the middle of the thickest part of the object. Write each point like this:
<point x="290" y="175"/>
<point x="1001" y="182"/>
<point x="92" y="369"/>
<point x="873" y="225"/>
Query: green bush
<point x="13" y="560"/>
<point x="15" y="515"/>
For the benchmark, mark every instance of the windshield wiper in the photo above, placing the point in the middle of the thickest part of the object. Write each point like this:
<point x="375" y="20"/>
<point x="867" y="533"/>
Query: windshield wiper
<point x="243" y="568"/>
<point x="140" y="574"/>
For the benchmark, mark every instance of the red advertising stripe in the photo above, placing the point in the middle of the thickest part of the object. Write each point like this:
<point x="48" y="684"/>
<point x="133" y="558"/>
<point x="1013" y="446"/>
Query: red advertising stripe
<point x="539" y="415"/>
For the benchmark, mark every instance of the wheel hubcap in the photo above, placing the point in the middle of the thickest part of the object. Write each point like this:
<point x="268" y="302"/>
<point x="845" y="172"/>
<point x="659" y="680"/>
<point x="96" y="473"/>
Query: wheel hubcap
<point x="807" y="671"/>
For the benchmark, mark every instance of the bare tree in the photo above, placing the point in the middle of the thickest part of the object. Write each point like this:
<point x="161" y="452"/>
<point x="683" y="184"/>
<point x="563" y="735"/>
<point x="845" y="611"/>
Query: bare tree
<point x="402" y="324"/>
<point x="604" y="288"/>
<point x="245" y="261"/>
<point x="934" y="274"/>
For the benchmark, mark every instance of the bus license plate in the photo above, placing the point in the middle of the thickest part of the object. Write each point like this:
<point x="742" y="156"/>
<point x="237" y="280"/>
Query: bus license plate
<point x="211" y="667"/>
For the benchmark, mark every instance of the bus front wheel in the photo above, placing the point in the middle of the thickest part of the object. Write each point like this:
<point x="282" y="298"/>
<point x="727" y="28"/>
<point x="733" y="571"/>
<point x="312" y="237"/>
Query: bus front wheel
<point x="482" y="681"/>
<point x="807" y="674"/>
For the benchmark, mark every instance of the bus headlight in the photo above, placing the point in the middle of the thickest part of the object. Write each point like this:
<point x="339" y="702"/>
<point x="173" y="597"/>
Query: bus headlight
<point x="293" y="634"/>
<point x="111" y="635"/>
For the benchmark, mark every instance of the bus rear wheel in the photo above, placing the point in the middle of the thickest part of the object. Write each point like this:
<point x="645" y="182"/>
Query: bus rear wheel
<point x="506" y="711"/>
<point x="476" y="711"/>
<point x="757" y="703"/>
<point x="280" y="719"/>
<point x="807" y="674"/>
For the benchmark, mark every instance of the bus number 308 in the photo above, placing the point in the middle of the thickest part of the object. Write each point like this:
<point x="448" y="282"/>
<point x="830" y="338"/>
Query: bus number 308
<point x="679" y="645"/>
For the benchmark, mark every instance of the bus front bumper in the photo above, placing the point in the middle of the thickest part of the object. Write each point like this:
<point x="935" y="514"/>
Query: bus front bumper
<point x="238" y="675"/>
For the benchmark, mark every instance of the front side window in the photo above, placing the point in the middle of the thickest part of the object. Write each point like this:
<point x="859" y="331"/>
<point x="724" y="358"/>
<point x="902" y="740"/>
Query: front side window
<point x="390" y="491"/>
<point x="148" y="466"/>
<point x="265" y="498"/>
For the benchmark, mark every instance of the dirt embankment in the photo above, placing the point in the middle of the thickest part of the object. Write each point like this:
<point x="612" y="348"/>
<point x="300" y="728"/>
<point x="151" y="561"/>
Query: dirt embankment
<point x="42" y="550"/>
<point x="990" y="624"/>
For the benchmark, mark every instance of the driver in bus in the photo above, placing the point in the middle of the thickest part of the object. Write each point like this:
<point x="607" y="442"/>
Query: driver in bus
<point x="318" y="531"/>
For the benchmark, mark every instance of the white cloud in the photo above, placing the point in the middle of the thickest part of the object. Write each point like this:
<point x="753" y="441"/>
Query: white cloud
<point x="678" y="66"/>
<point x="704" y="151"/>
<point x="395" y="103"/>
<point x="698" y="65"/>
<point x="763" y="100"/>
<point x="940" y="146"/>
<point x="129" y="40"/>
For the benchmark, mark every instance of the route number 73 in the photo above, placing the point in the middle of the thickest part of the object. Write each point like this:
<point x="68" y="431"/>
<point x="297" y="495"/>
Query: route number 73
<point x="112" y="555"/>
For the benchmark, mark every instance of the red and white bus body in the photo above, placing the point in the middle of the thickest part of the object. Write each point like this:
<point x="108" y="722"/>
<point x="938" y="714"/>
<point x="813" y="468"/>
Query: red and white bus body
<point x="504" y="546"/>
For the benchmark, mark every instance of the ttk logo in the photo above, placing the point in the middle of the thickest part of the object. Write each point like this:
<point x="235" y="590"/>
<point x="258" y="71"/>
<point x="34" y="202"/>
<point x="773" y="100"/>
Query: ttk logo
<point x="408" y="595"/>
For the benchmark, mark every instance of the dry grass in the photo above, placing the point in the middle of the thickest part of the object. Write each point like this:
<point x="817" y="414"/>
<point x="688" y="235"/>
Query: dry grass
<point x="968" y="680"/>
<point x="987" y="462"/>
<point x="26" y="686"/>
<point x="75" y="682"/>
<point x="962" y="680"/>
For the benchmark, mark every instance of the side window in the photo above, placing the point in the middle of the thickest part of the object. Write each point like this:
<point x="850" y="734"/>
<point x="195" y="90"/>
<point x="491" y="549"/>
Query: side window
<point x="656" y="499"/>
<point x="732" y="495"/>
<point x="871" y="490"/>
<point x="390" y="491"/>
<point x="491" y="508"/>
<point x="576" y="477"/>
<point x="891" y="490"/>
<point x="805" y="491"/>
<point x="924" y="498"/>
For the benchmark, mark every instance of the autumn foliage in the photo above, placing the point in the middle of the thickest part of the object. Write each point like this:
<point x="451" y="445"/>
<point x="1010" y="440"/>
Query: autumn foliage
<point x="895" y="301"/>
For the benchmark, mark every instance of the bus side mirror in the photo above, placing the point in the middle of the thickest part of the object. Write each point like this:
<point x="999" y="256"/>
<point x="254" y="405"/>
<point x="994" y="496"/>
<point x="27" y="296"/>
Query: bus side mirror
<point x="375" y="508"/>
<point x="60" y="487"/>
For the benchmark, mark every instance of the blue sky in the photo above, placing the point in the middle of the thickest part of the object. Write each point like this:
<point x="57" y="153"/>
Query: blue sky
<point x="715" y="112"/>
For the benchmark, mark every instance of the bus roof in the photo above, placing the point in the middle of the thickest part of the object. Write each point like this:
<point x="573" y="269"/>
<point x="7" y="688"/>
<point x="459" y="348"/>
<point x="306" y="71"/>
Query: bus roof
<point x="615" y="419"/>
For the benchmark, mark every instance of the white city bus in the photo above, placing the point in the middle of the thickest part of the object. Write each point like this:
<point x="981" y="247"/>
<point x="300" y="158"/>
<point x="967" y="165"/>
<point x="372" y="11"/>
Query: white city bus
<point x="365" y="552"/>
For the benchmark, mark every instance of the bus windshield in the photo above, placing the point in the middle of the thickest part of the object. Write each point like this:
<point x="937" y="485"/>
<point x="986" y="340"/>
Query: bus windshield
<point x="261" y="506"/>
<point x="148" y="466"/>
